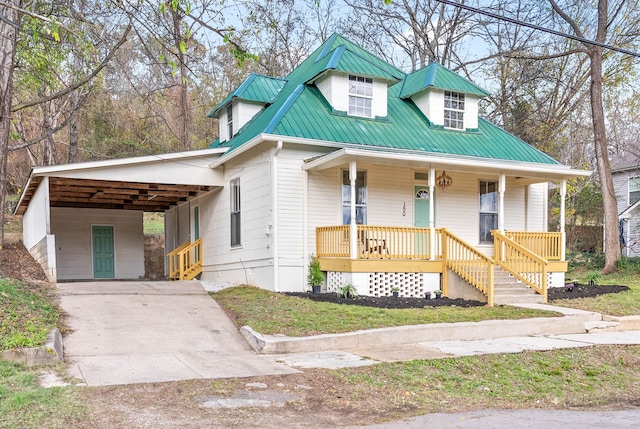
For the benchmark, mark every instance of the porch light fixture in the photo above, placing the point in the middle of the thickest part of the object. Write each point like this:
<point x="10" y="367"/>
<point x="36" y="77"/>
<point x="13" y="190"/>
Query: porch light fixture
<point x="443" y="181"/>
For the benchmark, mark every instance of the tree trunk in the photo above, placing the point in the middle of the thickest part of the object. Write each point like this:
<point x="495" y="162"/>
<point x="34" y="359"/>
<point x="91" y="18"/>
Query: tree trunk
<point x="8" y="42"/>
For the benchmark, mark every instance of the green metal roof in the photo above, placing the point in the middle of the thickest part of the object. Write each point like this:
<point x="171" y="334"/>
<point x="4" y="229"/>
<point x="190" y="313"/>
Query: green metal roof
<point x="300" y="110"/>
<point x="436" y="76"/>
<point x="257" y="88"/>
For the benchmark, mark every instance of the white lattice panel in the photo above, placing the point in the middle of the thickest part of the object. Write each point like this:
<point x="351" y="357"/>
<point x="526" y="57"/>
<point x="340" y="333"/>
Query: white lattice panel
<point x="409" y="284"/>
<point x="334" y="281"/>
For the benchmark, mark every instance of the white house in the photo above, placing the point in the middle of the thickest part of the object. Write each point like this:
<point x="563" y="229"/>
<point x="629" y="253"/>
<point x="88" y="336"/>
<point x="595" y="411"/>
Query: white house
<point x="391" y="179"/>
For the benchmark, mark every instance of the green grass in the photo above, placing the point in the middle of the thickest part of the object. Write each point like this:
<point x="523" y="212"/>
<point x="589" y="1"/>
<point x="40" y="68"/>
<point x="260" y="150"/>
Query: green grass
<point x="616" y="304"/>
<point x="28" y="313"/>
<point x="568" y="378"/>
<point x="153" y="223"/>
<point x="24" y="404"/>
<point x="272" y="313"/>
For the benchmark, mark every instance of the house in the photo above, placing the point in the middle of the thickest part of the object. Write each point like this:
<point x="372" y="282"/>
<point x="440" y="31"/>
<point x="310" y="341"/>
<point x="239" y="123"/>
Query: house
<point x="391" y="179"/>
<point x="625" y="171"/>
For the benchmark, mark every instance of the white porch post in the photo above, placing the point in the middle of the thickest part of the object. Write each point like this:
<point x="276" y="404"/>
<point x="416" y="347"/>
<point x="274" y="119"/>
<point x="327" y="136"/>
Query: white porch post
<point x="501" y="188"/>
<point x="563" y="238"/>
<point x="353" y="228"/>
<point x="432" y="230"/>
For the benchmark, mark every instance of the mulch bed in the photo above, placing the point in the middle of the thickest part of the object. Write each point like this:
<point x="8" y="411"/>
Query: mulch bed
<point x="578" y="291"/>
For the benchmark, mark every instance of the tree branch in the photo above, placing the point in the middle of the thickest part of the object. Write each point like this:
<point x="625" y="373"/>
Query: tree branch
<point x="35" y="15"/>
<point x="80" y="83"/>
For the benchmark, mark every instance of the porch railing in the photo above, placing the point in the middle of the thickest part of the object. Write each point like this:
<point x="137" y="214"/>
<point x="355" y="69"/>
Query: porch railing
<point x="469" y="264"/>
<point x="185" y="262"/>
<point x="522" y="263"/>
<point x="547" y="245"/>
<point x="378" y="242"/>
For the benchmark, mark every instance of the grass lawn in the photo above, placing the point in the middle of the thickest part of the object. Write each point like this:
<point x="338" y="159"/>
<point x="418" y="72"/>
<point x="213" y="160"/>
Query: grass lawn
<point x="273" y="313"/>
<point x="616" y="304"/>
<point x="28" y="312"/>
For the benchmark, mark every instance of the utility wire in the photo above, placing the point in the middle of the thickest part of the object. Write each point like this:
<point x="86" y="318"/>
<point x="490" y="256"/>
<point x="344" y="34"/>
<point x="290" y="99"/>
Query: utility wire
<point x="537" y="27"/>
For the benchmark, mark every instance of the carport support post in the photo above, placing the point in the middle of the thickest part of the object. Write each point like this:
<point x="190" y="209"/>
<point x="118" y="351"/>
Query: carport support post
<point x="353" y="227"/>
<point x="563" y="238"/>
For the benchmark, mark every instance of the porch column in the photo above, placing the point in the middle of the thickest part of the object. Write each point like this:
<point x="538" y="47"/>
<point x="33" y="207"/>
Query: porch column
<point x="432" y="230"/>
<point x="563" y="237"/>
<point x="501" y="188"/>
<point x="353" y="227"/>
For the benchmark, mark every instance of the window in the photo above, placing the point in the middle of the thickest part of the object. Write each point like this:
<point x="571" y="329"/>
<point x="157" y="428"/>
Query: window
<point x="235" y="212"/>
<point x="229" y="121"/>
<point x="454" y="110"/>
<point x="361" y="198"/>
<point x="360" y="95"/>
<point x="634" y="190"/>
<point x="488" y="210"/>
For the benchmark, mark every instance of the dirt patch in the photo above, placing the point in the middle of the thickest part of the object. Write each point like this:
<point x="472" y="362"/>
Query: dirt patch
<point x="154" y="256"/>
<point x="17" y="263"/>
<point x="583" y="291"/>
<point x="387" y="301"/>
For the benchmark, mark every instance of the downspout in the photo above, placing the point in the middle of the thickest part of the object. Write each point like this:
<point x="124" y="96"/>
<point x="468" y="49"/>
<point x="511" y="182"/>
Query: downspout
<point x="432" y="230"/>
<point x="501" y="188"/>
<point x="274" y="205"/>
<point x="353" y="228"/>
<point x="563" y="194"/>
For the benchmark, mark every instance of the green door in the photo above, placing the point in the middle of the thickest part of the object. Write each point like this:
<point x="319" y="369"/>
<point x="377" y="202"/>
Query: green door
<point x="102" y="238"/>
<point x="421" y="200"/>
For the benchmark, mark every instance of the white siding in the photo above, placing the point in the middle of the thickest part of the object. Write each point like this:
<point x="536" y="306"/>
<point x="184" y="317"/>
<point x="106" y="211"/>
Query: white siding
<point x="621" y="188"/>
<point x="390" y="192"/>
<point x="335" y="88"/>
<point x="431" y="103"/>
<point x="246" y="112"/>
<point x="36" y="217"/>
<point x="72" y="229"/>
<point x="183" y="222"/>
<point x="514" y="207"/>
<point x="536" y="207"/>
<point x="457" y="206"/>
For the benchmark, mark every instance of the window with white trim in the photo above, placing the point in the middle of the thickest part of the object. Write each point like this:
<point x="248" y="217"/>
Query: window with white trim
<point x="454" y="110"/>
<point x="229" y="121"/>
<point x="634" y="190"/>
<point x="361" y="198"/>
<point x="235" y="212"/>
<point x="360" y="95"/>
<point x="488" y="210"/>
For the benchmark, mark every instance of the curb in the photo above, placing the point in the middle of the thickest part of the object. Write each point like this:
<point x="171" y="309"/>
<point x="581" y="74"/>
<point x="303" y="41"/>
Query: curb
<point x="51" y="352"/>
<point x="625" y="323"/>
<point x="465" y="331"/>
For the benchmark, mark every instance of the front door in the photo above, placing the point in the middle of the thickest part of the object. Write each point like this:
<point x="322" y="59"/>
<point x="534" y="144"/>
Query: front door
<point x="102" y="239"/>
<point x="421" y="198"/>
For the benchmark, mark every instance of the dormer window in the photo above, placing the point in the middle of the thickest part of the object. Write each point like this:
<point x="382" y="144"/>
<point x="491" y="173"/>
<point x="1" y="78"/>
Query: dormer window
<point x="360" y="95"/>
<point x="230" y="121"/>
<point x="454" y="110"/>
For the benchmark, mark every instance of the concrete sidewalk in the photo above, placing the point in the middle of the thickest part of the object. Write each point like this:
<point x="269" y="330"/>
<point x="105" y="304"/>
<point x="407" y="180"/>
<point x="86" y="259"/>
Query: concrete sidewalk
<point x="140" y="332"/>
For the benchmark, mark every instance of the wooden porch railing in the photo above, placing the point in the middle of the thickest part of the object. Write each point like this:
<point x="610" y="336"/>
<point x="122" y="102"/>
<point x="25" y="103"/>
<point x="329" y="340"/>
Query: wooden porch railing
<point x="377" y="242"/>
<point x="547" y="245"/>
<point x="185" y="262"/>
<point x="468" y="263"/>
<point x="521" y="262"/>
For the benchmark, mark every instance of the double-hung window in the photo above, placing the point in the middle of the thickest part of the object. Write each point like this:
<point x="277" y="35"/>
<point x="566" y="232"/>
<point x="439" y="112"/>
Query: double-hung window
<point x="235" y="212"/>
<point x="229" y="121"/>
<point x="488" y="210"/>
<point x="361" y="198"/>
<point x="454" y="110"/>
<point x="360" y="96"/>
<point x="634" y="190"/>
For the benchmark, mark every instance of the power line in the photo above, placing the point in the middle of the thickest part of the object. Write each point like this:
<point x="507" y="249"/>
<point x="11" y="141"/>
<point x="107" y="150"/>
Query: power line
<point x="537" y="27"/>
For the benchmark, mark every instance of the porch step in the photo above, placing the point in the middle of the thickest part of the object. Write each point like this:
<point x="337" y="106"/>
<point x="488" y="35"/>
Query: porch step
<point x="509" y="290"/>
<point x="518" y="299"/>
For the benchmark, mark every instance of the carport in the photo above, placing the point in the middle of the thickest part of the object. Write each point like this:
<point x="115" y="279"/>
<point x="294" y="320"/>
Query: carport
<point x="85" y="221"/>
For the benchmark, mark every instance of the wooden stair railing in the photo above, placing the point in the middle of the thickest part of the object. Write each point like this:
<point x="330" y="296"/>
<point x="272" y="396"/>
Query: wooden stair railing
<point x="467" y="262"/>
<point x="185" y="262"/>
<point x="520" y="262"/>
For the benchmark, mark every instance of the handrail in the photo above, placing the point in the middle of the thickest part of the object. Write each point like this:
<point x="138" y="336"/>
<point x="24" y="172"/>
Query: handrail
<point x="467" y="262"/>
<point x="521" y="262"/>
<point x="332" y="241"/>
<point x="185" y="261"/>
<point x="547" y="245"/>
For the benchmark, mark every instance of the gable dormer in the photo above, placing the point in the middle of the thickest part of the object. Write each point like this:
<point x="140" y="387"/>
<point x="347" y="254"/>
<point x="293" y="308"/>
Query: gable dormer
<point x="354" y="81"/>
<point x="446" y="99"/>
<point x="243" y="104"/>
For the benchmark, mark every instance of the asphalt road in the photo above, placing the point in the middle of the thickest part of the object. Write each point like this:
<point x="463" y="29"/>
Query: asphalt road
<point x="520" y="419"/>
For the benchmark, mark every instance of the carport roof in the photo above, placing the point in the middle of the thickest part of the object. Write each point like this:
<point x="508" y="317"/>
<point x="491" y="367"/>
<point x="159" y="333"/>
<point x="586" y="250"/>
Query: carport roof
<point x="151" y="183"/>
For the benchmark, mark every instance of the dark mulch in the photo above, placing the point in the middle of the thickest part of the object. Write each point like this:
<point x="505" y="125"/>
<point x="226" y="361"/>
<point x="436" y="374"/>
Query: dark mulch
<point x="583" y="291"/>
<point x="579" y="291"/>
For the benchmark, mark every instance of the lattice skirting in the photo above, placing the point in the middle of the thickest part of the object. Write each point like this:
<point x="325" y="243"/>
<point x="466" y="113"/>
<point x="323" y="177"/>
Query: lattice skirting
<point x="382" y="284"/>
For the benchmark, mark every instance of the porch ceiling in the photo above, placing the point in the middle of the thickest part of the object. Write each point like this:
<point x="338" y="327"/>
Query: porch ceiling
<point x="111" y="194"/>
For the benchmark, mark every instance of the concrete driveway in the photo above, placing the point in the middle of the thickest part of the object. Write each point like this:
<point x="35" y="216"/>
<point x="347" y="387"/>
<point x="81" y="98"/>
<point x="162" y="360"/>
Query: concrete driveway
<point x="142" y="332"/>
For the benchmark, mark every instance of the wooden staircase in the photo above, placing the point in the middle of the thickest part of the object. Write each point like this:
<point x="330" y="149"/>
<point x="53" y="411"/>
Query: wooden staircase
<point x="509" y="290"/>
<point x="185" y="262"/>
